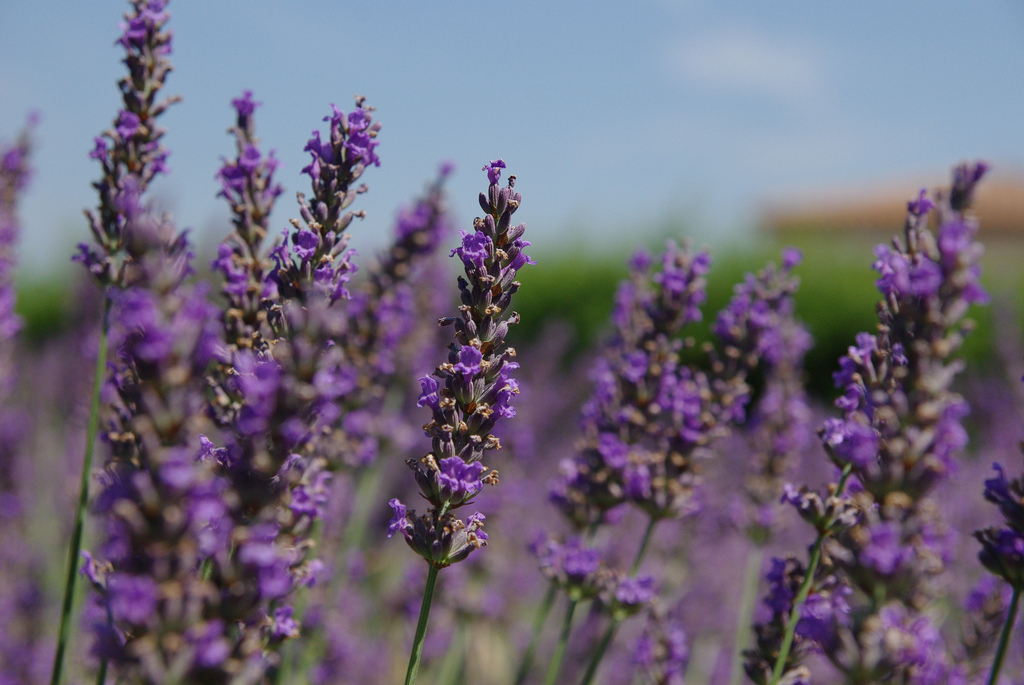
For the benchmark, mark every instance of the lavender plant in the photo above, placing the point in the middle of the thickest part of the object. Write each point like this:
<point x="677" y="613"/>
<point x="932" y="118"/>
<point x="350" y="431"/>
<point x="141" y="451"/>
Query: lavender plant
<point x="1002" y="554"/>
<point x="243" y="426"/>
<point x="131" y="155"/>
<point x="476" y="388"/>
<point x="652" y="417"/>
<point x="24" y="651"/>
<point x="882" y="545"/>
<point x="280" y="388"/>
<point x="247" y="183"/>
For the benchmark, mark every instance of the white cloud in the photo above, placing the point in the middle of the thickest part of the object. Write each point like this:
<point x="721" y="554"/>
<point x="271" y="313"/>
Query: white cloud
<point x="747" y="61"/>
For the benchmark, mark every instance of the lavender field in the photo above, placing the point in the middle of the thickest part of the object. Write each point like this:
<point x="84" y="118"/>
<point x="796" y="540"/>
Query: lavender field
<point x="289" y="462"/>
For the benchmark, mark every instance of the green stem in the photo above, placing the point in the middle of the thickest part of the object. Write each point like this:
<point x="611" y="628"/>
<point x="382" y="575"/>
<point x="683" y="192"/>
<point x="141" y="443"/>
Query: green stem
<point x="538" y="624"/>
<point x="301" y="654"/>
<point x="1004" y="637"/>
<point x="101" y="675"/>
<point x="75" y="547"/>
<point x="455" y="660"/>
<point x="602" y="647"/>
<point x="746" y="612"/>
<point x="563" y="641"/>
<point x="367" y="485"/>
<point x="805" y="587"/>
<point x="648" y="532"/>
<point x="421" y="628"/>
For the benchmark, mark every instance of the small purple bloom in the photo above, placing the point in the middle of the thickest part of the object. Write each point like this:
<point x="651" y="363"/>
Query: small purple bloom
<point x="245" y="106"/>
<point x="133" y="599"/>
<point x="284" y="624"/>
<point x="469" y="361"/>
<point x="460" y="481"/>
<point x="211" y="647"/>
<point x="578" y="562"/>
<point x="99" y="151"/>
<point x="614" y="452"/>
<point x="475" y="250"/>
<point x="305" y="245"/>
<point x="635" y="592"/>
<point x="428" y="393"/>
<point x="127" y="124"/>
<point x="884" y="551"/>
<point x="851" y="441"/>
<point x="399" y="522"/>
<point x="922" y="205"/>
<point x="494" y="170"/>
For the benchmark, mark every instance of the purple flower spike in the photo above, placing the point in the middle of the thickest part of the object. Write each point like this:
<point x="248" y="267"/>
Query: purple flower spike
<point x="899" y="436"/>
<point x="473" y="388"/>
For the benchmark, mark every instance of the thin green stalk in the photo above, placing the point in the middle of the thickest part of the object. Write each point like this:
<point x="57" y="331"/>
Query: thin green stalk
<point x="648" y="533"/>
<point x="563" y="641"/>
<point x="746" y="612"/>
<point x="602" y="647"/>
<point x="454" y="662"/>
<point x="367" y="486"/>
<point x="421" y="628"/>
<point x="101" y="675"/>
<point x="538" y="624"/>
<point x="609" y="633"/>
<point x="293" y="652"/>
<point x="542" y="615"/>
<point x="1004" y="637"/>
<point x="75" y="547"/>
<point x="805" y="589"/>
<point x="303" y="653"/>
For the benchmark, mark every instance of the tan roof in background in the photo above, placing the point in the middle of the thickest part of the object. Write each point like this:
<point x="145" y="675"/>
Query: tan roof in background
<point x="881" y="208"/>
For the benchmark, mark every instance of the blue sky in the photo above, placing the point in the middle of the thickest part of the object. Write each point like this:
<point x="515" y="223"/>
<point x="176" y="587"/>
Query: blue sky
<point x="615" y="116"/>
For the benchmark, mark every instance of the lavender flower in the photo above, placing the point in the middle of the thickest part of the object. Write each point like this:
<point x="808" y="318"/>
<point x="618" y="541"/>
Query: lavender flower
<point x="474" y="388"/>
<point x="985" y="612"/>
<point x="572" y="566"/>
<point x="380" y="322"/>
<point x="901" y="431"/>
<point x="779" y="426"/>
<point x="663" y="651"/>
<point x="471" y="391"/>
<point x="247" y="183"/>
<point x="646" y="410"/>
<point x="316" y="255"/>
<point x="23" y="647"/>
<point x="166" y="514"/>
<point x="1002" y="549"/>
<point x="898" y="438"/>
<point x="14" y="178"/>
<point x="131" y="152"/>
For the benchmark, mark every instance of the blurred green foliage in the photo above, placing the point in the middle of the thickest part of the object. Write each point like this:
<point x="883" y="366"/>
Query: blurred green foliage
<point x="44" y="302"/>
<point x="837" y="300"/>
